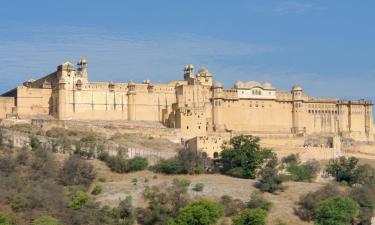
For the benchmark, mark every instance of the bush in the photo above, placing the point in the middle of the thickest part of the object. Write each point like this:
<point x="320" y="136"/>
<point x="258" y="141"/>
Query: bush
<point x="169" y="166"/>
<point x="120" y="164"/>
<point x="181" y="182"/>
<point x="309" y="202"/>
<point x="231" y="206"/>
<point x="46" y="220"/>
<point x="291" y="159"/>
<point x="251" y="217"/>
<point x="4" y="219"/>
<point x="78" y="200"/>
<point x="270" y="180"/>
<point x="348" y="170"/>
<point x="365" y="197"/>
<point x="199" y="187"/>
<point x="243" y="156"/>
<point x="200" y="212"/>
<point x="257" y="201"/>
<point x="304" y="172"/>
<point x="137" y="164"/>
<point x="77" y="171"/>
<point x="97" y="190"/>
<point x="35" y="143"/>
<point x="124" y="213"/>
<point x="336" y="210"/>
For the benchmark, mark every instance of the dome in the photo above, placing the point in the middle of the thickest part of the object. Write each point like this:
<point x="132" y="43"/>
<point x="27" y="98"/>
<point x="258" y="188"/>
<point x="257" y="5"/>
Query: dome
<point x="251" y="84"/>
<point x="203" y="70"/>
<point x="267" y="85"/>
<point x="297" y="87"/>
<point x="130" y="82"/>
<point x="218" y="84"/>
<point x="238" y="84"/>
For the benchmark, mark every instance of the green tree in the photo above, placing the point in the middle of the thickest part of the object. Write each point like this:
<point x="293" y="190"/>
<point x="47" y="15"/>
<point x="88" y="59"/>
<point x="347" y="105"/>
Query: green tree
<point x="269" y="178"/>
<point x="4" y="219"/>
<point x="251" y="217"/>
<point x="200" y="212"/>
<point x="343" y="169"/>
<point x="46" y="220"/>
<point x="336" y="211"/>
<point x="243" y="156"/>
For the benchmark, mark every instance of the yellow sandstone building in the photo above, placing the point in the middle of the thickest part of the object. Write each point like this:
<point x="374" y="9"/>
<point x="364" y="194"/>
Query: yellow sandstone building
<point x="196" y="105"/>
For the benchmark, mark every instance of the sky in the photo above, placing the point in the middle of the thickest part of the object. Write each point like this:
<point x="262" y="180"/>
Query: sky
<point x="326" y="46"/>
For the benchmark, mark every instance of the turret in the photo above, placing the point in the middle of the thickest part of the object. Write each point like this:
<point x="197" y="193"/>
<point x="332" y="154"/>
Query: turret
<point x="82" y="70"/>
<point x="217" y="103"/>
<point x="131" y="101"/>
<point x="298" y="110"/>
<point x="205" y="77"/>
<point x="189" y="73"/>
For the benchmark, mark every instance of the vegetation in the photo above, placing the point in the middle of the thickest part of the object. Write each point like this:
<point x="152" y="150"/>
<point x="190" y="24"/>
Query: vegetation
<point x="336" y="211"/>
<point x="348" y="170"/>
<point x="97" y="190"/>
<point x="270" y="179"/>
<point x="4" y="219"/>
<point x="77" y="171"/>
<point x="120" y="164"/>
<point x="186" y="162"/>
<point x="251" y="217"/>
<point x="243" y="156"/>
<point x="199" y="187"/>
<point x="232" y="206"/>
<point x="257" y="201"/>
<point x="200" y="212"/>
<point x="298" y="171"/>
<point x="46" y="220"/>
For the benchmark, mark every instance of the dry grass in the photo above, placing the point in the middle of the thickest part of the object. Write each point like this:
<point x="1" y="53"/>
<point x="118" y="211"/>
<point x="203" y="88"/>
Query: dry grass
<point x="118" y="186"/>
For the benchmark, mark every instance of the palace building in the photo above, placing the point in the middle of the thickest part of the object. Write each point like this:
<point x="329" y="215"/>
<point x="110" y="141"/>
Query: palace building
<point x="196" y="105"/>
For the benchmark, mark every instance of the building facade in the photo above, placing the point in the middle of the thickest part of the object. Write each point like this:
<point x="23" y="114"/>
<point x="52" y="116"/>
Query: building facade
<point x="196" y="105"/>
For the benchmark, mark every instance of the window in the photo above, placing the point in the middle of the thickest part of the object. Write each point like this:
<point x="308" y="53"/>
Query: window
<point x="187" y="127"/>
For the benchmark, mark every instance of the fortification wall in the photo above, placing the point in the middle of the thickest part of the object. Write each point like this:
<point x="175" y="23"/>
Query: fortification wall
<point x="33" y="101"/>
<point x="257" y="115"/>
<point x="6" y="106"/>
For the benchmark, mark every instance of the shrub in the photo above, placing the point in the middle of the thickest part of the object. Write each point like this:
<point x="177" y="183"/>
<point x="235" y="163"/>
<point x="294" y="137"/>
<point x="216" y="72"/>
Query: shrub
<point x="35" y="143"/>
<point x="181" y="182"/>
<point x="97" y="190"/>
<point x="77" y="171"/>
<point x="200" y="212"/>
<point x="102" y="179"/>
<point x="243" y="156"/>
<point x="46" y="220"/>
<point x="365" y="197"/>
<point x="78" y="200"/>
<point x="231" y="206"/>
<point x="251" y="217"/>
<point x="291" y="159"/>
<point x="304" y="172"/>
<point x="169" y="166"/>
<point x="336" y="210"/>
<point x="348" y="170"/>
<point x="137" y="164"/>
<point x="257" y="201"/>
<point x="192" y="162"/>
<point x="198" y="187"/>
<point x="270" y="180"/>
<point x="124" y="213"/>
<point x="7" y="163"/>
<point x="309" y="202"/>
<point x="4" y="219"/>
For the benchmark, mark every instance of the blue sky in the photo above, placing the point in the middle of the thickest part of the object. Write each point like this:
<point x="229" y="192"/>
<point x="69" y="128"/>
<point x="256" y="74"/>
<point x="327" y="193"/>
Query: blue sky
<point x="326" y="46"/>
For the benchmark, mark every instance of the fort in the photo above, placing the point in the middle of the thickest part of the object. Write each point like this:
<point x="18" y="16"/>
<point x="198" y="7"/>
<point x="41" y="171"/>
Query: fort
<point x="205" y="112"/>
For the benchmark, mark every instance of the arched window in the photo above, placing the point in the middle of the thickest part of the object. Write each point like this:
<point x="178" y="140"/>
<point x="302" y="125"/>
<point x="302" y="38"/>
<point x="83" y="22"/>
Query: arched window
<point x="79" y="84"/>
